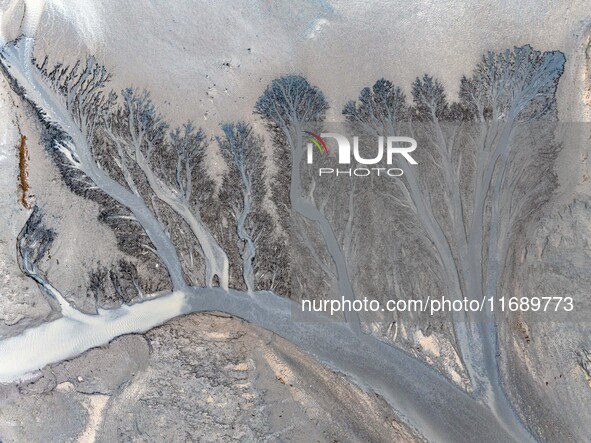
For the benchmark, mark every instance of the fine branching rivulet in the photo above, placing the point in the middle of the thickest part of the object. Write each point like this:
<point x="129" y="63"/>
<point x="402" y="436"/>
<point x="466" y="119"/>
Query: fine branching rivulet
<point x="242" y="195"/>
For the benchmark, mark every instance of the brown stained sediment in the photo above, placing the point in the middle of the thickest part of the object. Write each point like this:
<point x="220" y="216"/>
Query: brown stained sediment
<point x="23" y="157"/>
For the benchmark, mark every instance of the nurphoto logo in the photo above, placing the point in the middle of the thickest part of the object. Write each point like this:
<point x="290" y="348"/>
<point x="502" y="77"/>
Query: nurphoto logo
<point x="402" y="146"/>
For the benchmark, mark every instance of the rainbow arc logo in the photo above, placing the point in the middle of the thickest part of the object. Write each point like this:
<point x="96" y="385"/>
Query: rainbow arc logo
<point x="318" y="142"/>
